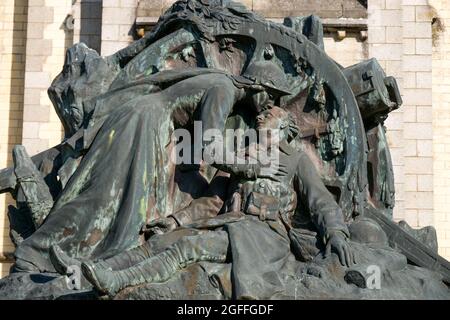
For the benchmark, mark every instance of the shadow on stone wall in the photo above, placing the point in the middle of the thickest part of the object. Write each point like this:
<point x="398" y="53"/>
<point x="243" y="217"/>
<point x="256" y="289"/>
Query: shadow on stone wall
<point x="91" y="23"/>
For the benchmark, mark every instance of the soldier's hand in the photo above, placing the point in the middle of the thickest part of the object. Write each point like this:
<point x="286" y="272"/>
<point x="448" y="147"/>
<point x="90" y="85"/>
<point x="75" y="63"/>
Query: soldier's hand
<point x="274" y="166"/>
<point x="276" y="171"/>
<point x="160" y="226"/>
<point x="338" y="244"/>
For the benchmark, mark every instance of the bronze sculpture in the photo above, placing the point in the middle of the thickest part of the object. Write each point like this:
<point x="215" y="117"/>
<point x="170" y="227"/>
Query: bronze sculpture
<point x="112" y="175"/>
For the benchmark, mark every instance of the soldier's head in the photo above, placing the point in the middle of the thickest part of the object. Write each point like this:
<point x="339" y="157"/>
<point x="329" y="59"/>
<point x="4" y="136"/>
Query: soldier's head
<point x="278" y="121"/>
<point x="270" y="84"/>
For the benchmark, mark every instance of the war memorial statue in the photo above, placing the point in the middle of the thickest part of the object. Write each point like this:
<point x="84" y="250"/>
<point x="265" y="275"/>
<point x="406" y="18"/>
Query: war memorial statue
<point x="108" y="213"/>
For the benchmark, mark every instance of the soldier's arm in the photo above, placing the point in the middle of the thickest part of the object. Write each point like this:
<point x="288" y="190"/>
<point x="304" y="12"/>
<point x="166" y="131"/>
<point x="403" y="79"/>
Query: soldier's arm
<point x="325" y="212"/>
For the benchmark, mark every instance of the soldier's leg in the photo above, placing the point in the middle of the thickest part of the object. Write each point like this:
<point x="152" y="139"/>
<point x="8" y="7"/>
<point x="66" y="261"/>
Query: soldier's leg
<point x="152" y="246"/>
<point x="62" y="261"/>
<point x="123" y="260"/>
<point x="211" y="246"/>
<point x="126" y="259"/>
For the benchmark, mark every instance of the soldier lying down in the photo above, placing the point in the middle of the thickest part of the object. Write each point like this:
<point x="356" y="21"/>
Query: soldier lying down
<point x="254" y="233"/>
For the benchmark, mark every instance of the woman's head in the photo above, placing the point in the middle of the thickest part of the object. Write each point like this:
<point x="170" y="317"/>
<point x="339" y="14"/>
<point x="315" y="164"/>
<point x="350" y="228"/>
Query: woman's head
<point x="270" y="84"/>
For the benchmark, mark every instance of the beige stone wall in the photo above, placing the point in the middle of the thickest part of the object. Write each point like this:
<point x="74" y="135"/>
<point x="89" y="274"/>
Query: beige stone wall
<point x="418" y="126"/>
<point x="441" y="124"/>
<point x="385" y="44"/>
<point x="400" y="38"/>
<point x="348" y="51"/>
<point x="13" y="26"/>
<point x="47" y="40"/>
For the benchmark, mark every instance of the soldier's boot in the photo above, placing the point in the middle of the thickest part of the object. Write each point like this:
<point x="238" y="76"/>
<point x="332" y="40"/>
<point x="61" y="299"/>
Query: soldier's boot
<point x="62" y="261"/>
<point x="153" y="246"/>
<point x="126" y="258"/>
<point x="33" y="192"/>
<point x="212" y="247"/>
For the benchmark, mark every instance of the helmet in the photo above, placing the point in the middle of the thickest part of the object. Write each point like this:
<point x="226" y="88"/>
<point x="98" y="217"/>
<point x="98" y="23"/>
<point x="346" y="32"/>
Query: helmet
<point x="367" y="231"/>
<point x="269" y="75"/>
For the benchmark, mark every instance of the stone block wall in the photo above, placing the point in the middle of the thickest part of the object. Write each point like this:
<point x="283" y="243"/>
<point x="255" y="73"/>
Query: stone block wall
<point x="400" y="38"/>
<point x="417" y="110"/>
<point x="13" y="28"/>
<point x="386" y="44"/>
<point x="348" y="51"/>
<point x="48" y="37"/>
<point x="117" y="24"/>
<point x="441" y="123"/>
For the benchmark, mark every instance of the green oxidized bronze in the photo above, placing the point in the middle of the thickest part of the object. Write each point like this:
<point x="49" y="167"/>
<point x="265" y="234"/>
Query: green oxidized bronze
<point x="110" y="203"/>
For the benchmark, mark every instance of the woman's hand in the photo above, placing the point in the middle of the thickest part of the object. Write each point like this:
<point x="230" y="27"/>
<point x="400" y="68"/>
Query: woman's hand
<point x="275" y="166"/>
